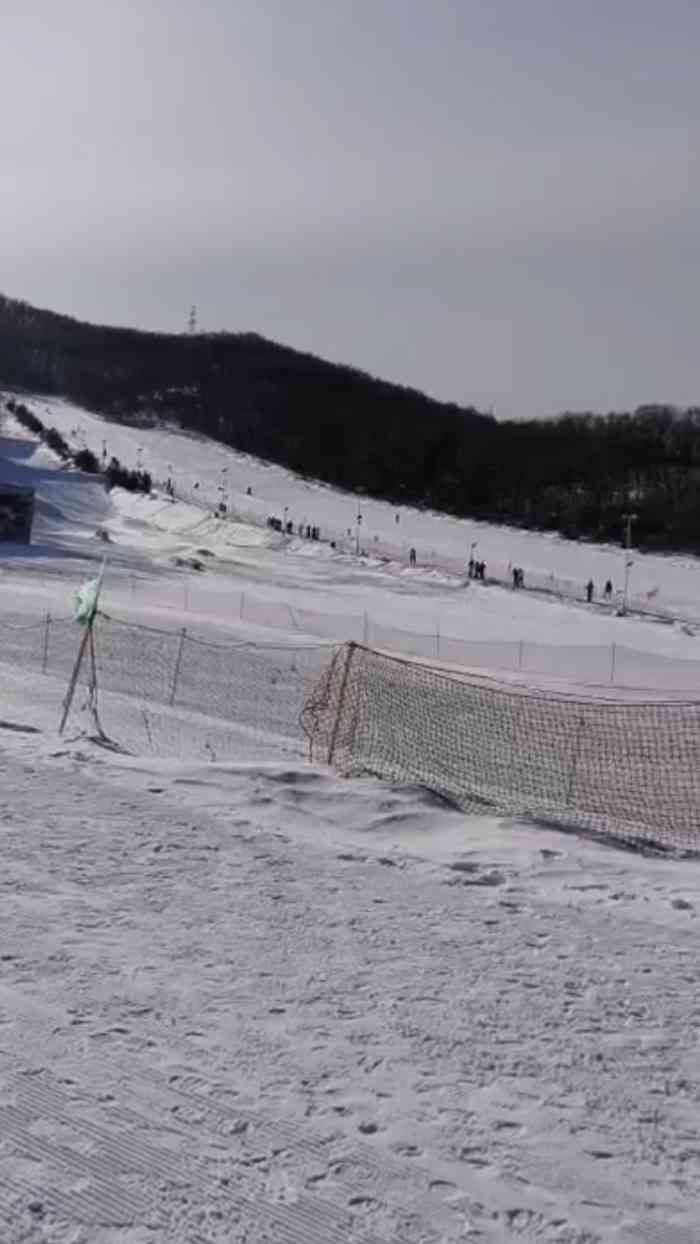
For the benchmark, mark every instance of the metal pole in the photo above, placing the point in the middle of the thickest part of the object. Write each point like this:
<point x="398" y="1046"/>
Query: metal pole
<point x="178" y="661"/>
<point x="612" y="661"/>
<point x="628" y="562"/>
<point x="520" y="655"/>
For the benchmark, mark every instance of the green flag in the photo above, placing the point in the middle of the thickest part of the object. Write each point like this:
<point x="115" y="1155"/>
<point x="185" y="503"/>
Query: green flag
<point x="86" y="598"/>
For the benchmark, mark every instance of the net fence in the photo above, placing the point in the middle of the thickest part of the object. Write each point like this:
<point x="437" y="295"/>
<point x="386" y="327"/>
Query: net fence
<point x="629" y="770"/>
<point x="208" y="601"/>
<point x="168" y="694"/>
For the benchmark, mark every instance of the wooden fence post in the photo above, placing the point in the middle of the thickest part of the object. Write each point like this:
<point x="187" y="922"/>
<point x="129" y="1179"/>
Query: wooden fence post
<point x="74" y="676"/>
<point x="341" y="701"/>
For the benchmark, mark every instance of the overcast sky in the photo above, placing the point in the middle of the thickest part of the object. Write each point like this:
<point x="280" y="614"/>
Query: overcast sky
<point x="493" y="200"/>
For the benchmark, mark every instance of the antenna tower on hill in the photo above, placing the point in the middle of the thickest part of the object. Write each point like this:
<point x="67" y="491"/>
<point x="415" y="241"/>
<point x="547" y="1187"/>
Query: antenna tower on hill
<point x="192" y="321"/>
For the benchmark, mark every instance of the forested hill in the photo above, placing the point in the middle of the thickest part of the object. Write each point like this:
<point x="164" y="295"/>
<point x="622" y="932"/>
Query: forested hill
<point x="321" y="419"/>
<point x="578" y="474"/>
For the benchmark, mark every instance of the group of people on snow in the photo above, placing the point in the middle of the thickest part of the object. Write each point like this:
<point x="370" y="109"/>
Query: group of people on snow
<point x="311" y="533"/>
<point x="476" y="569"/>
<point x="607" y="590"/>
<point x="277" y="524"/>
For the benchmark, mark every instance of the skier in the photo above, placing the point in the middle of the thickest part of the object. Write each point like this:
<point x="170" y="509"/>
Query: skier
<point x="411" y="557"/>
<point x="608" y="590"/>
<point x="589" y="591"/>
<point x="470" y="567"/>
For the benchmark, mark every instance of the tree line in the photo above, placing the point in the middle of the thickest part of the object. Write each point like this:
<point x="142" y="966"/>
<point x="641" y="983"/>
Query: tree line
<point x="578" y="474"/>
<point x="83" y="459"/>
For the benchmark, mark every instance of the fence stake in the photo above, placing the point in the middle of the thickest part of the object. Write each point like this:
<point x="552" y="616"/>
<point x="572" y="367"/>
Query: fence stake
<point x="241" y="606"/>
<point x="520" y="655"/>
<point x="612" y="661"/>
<point x="437" y="640"/>
<point x="45" y="654"/>
<point x="365" y="629"/>
<point x="341" y="701"/>
<point x="178" y="661"/>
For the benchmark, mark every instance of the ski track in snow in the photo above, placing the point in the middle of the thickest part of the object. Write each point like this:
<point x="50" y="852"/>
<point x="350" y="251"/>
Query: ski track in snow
<point x="210" y="1019"/>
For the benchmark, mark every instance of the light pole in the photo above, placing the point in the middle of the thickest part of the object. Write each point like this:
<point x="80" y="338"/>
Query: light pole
<point x="629" y="519"/>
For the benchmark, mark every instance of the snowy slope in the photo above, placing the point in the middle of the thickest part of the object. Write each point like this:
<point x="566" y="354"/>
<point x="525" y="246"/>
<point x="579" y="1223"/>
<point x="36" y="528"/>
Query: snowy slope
<point x="246" y="1002"/>
<point x="200" y="467"/>
<point x="252" y="1002"/>
<point x="305" y="587"/>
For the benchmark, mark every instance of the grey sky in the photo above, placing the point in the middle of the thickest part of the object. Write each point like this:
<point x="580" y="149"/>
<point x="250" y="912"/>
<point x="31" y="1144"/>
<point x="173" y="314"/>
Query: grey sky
<point x="493" y="200"/>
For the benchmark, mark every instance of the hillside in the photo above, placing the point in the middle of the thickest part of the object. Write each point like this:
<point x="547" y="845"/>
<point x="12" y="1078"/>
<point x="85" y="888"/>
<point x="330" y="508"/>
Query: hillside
<point x="579" y="474"/>
<point x="329" y="421"/>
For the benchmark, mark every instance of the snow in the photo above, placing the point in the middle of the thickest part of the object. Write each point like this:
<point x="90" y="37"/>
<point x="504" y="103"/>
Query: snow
<point x="249" y="1000"/>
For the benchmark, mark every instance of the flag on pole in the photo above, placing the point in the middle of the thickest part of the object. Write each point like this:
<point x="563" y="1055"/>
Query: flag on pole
<point x="86" y="599"/>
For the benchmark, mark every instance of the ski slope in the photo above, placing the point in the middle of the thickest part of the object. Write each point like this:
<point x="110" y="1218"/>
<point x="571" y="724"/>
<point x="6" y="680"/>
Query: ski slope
<point x="198" y="466"/>
<point x="332" y="593"/>
<point x="247" y="1001"/>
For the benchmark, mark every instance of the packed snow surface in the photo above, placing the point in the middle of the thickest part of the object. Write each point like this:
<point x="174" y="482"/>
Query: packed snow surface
<point x="255" y="1002"/>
